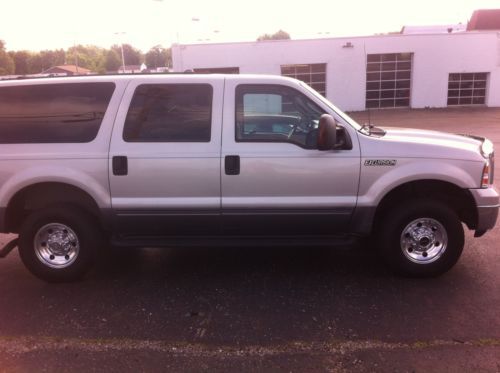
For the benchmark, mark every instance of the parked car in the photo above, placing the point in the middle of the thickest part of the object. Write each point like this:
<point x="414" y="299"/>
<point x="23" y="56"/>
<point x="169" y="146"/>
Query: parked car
<point x="179" y="160"/>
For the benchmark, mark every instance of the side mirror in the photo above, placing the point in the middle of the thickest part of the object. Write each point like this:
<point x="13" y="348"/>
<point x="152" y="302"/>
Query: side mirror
<point x="327" y="132"/>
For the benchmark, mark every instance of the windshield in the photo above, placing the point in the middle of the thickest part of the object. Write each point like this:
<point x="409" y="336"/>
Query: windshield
<point x="337" y="111"/>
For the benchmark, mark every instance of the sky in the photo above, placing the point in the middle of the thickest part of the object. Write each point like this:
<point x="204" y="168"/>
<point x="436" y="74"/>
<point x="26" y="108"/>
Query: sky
<point x="51" y="24"/>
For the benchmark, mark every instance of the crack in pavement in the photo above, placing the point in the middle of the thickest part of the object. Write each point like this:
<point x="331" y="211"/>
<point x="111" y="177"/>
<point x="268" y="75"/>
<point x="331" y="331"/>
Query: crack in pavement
<point x="26" y="344"/>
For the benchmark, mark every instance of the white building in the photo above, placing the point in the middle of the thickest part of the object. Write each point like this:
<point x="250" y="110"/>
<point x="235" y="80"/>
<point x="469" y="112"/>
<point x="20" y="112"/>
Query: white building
<point x="397" y="70"/>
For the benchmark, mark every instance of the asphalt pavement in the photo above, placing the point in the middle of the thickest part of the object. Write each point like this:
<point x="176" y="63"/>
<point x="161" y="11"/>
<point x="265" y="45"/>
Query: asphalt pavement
<point x="267" y="309"/>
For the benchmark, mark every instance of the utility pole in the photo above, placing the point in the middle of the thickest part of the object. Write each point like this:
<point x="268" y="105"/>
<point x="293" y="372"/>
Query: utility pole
<point x="121" y="47"/>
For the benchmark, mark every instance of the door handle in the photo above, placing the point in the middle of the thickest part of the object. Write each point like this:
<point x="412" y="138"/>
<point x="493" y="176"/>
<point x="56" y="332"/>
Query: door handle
<point x="232" y="164"/>
<point x="120" y="165"/>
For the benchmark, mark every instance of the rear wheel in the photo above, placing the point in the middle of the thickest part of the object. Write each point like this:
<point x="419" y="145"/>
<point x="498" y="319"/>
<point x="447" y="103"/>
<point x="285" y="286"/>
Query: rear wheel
<point x="58" y="244"/>
<point x="422" y="238"/>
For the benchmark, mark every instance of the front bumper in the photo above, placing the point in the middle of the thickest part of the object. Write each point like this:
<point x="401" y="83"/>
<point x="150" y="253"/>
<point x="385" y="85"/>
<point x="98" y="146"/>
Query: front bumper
<point x="488" y="203"/>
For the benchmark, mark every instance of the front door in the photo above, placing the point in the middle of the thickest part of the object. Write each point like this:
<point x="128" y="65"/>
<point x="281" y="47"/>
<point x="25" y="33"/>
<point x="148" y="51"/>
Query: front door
<point x="274" y="179"/>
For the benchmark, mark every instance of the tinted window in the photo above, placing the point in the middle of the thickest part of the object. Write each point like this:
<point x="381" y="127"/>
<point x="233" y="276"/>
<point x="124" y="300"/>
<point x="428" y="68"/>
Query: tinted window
<point x="314" y="75"/>
<point x="276" y="114"/>
<point x="53" y="113"/>
<point x="169" y="113"/>
<point x="467" y="88"/>
<point x="386" y="74"/>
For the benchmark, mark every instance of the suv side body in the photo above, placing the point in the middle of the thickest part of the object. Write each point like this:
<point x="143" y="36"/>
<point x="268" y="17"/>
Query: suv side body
<point x="212" y="159"/>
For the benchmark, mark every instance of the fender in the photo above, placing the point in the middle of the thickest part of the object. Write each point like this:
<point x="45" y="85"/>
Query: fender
<point x="377" y="182"/>
<point x="90" y="176"/>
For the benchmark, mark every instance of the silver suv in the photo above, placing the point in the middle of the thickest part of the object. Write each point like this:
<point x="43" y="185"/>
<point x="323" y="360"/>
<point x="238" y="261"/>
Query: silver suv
<point x="175" y="160"/>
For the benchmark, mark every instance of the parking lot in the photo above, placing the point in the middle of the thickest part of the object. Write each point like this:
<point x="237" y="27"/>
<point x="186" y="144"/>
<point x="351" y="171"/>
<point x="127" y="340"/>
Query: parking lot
<point x="266" y="309"/>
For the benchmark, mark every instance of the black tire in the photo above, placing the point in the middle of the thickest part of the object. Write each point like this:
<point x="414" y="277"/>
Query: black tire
<point x="411" y="240"/>
<point x="82" y="243"/>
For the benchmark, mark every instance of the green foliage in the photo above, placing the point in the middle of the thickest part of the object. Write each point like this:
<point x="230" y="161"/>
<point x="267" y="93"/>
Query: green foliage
<point x="6" y="63"/>
<point x="35" y="65"/>
<point x="96" y="59"/>
<point x="113" y="61"/>
<point x="87" y="56"/>
<point x="158" y="56"/>
<point x="279" y="35"/>
<point x="21" y="59"/>
<point x="50" y="58"/>
<point x="132" y="56"/>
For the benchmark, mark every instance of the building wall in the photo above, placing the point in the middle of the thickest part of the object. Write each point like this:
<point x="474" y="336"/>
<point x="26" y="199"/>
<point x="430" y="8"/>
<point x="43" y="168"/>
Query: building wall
<point x="434" y="57"/>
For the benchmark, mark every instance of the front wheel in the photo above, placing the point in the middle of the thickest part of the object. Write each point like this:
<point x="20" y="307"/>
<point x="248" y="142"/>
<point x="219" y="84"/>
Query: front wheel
<point x="422" y="238"/>
<point x="58" y="244"/>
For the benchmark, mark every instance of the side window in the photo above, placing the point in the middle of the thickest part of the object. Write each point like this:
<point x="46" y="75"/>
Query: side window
<point x="272" y="113"/>
<point x="53" y="113"/>
<point x="169" y="113"/>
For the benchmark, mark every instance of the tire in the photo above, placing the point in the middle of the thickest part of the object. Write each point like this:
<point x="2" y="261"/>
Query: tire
<point x="422" y="238"/>
<point x="59" y="243"/>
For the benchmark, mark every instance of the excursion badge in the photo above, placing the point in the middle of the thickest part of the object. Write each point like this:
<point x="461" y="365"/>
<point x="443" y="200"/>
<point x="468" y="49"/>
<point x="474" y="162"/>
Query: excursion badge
<point x="380" y="162"/>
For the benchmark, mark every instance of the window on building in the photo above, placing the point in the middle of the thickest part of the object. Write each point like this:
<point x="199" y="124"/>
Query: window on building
<point x="273" y="113"/>
<point x="218" y="70"/>
<point x="388" y="80"/>
<point x="53" y="113"/>
<point x="314" y="75"/>
<point x="467" y="88"/>
<point x="169" y="113"/>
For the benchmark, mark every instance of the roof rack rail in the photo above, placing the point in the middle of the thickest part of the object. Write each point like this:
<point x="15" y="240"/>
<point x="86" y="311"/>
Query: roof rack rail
<point x="22" y="77"/>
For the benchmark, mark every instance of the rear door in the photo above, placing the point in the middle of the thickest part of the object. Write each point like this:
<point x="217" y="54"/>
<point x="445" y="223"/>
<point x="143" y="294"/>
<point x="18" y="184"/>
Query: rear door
<point x="274" y="179"/>
<point x="165" y="157"/>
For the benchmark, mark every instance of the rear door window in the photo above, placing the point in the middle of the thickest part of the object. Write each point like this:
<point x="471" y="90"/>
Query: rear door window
<point x="170" y="113"/>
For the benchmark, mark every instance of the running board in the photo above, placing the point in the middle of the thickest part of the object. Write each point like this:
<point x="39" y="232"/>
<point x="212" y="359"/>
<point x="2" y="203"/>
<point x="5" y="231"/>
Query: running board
<point x="237" y="241"/>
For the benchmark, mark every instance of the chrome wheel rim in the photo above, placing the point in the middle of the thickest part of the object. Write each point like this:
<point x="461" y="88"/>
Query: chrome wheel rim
<point x="424" y="240"/>
<point x="56" y="245"/>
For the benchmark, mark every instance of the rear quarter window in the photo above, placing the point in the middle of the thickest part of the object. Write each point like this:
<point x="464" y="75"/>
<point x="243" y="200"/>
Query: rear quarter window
<point x="53" y="113"/>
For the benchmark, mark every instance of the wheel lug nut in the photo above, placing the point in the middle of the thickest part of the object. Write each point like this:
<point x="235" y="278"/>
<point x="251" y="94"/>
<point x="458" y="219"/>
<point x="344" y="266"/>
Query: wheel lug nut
<point x="424" y="254"/>
<point x="52" y="257"/>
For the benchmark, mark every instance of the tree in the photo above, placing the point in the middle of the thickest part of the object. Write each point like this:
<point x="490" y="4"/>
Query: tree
<point x="87" y="56"/>
<point x="132" y="56"/>
<point x="51" y="58"/>
<point x="279" y="35"/>
<point x="21" y="59"/>
<point x="113" y="61"/>
<point x="7" y="66"/>
<point x="158" y="56"/>
<point x="35" y="65"/>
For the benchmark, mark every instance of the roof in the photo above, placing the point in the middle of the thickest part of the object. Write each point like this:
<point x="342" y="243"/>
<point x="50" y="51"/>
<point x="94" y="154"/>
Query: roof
<point x="143" y="77"/>
<point x="484" y="19"/>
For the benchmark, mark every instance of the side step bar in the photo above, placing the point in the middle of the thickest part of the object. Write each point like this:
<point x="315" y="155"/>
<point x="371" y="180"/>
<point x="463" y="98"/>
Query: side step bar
<point x="230" y="241"/>
<point x="8" y="248"/>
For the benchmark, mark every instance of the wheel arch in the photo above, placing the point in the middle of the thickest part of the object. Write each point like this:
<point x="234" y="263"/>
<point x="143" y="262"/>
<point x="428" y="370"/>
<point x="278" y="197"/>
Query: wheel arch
<point x="43" y="194"/>
<point x="460" y="200"/>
